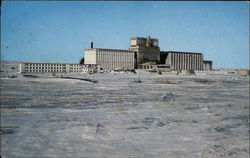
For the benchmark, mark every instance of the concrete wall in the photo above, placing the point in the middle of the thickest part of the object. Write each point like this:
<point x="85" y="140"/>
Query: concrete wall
<point x="183" y="60"/>
<point x="9" y="67"/>
<point x="243" y="72"/>
<point x="110" y="59"/>
<point x="90" y="56"/>
<point x="146" y="49"/>
<point x="29" y="67"/>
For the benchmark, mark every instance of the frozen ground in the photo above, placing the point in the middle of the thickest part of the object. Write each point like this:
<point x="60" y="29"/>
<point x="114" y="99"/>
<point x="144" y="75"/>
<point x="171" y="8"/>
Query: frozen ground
<point x="207" y="116"/>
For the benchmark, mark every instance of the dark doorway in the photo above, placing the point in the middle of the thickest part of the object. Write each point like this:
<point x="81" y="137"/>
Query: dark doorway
<point x="135" y="59"/>
<point x="163" y="58"/>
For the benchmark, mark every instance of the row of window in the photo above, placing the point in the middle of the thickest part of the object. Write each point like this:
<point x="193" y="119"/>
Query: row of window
<point x="30" y="67"/>
<point x="44" y="67"/>
<point x="49" y="66"/>
<point x="44" y="64"/>
<point x="57" y="65"/>
<point x="49" y="71"/>
<point x="43" y="71"/>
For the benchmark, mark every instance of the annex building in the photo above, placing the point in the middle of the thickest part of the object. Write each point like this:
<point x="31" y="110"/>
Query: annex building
<point x="182" y="60"/>
<point x="44" y="67"/>
<point x="144" y="53"/>
<point x="109" y="59"/>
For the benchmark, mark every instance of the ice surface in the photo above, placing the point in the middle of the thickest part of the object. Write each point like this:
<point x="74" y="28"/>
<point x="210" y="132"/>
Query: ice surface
<point x="208" y="116"/>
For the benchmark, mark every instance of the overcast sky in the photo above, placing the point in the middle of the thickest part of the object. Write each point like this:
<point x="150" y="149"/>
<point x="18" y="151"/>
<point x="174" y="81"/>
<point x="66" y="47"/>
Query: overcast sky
<point x="59" y="31"/>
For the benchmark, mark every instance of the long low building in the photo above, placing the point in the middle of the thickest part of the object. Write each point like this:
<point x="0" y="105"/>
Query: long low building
<point x="182" y="60"/>
<point x="109" y="59"/>
<point x="143" y="51"/>
<point x="43" y="67"/>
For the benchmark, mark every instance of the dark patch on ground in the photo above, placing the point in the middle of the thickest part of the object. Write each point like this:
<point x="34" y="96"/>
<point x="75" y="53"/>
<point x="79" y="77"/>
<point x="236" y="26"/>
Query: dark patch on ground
<point x="168" y="82"/>
<point x="81" y="79"/>
<point x="149" y="120"/>
<point x="204" y="81"/>
<point x="227" y="129"/>
<point x="241" y="117"/>
<point x="225" y="81"/>
<point x="191" y="107"/>
<point x="161" y="124"/>
<point x="244" y="118"/>
<point x="31" y="76"/>
<point x="205" y="100"/>
<point x="133" y="128"/>
<point x="7" y="130"/>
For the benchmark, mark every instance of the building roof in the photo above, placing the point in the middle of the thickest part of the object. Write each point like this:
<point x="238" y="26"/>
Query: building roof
<point x="46" y="62"/>
<point x="207" y="61"/>
<point x="162" y="52"/>
<point x="145" y="38"/>
<point x="108" y="49"/>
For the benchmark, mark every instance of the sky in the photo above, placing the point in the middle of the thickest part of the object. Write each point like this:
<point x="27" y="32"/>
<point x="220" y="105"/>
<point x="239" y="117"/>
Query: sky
<point x="59" y="31"/>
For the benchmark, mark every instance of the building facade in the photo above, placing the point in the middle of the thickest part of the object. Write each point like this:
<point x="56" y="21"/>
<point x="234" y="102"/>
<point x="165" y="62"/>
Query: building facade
<point x="109" y="59"/>
<point x="145" y="50"/>
<point x="42" y="67"/>
<point x="182" y="60"/>
<point x="9" y="67"/>
<point x="207" y="65"/>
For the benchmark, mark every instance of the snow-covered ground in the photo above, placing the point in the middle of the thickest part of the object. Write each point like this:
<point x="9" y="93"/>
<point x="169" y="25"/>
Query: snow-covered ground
<point x="169" y="115"/>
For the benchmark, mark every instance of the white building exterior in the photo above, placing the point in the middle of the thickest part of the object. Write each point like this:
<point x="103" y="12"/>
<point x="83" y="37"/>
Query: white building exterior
<point x="42" y="67"/>
<point x="109" y="59"/>
<point x="182" y="60"/>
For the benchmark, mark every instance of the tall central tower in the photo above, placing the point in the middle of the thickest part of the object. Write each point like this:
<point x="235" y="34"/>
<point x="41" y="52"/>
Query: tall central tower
<point x="145" y="50"/>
